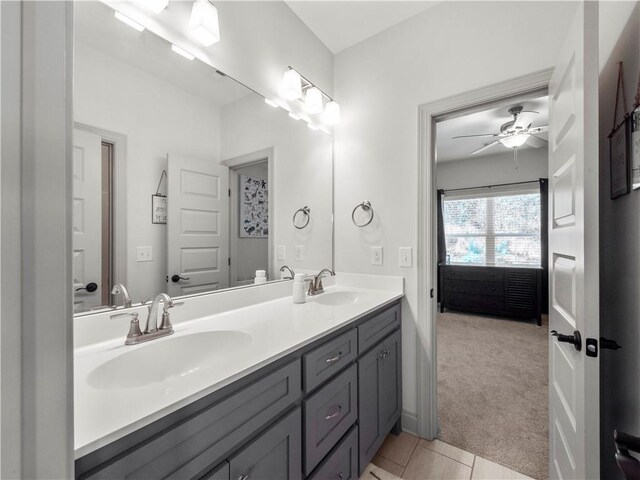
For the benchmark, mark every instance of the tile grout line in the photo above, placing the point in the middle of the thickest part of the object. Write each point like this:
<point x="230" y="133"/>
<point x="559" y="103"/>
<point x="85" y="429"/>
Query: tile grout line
<point x="451" y="458"/>
<point x="473" y="466"/>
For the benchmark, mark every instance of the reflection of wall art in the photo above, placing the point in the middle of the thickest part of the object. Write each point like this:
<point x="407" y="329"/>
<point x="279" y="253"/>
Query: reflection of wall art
<point x="254" y="207"/>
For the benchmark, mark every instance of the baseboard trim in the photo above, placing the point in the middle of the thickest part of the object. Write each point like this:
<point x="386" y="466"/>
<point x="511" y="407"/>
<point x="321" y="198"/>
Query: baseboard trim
<point x="409" y="422"/>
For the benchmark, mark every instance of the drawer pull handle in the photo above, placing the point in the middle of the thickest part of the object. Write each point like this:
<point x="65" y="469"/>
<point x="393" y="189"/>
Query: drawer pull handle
<point x="243" y="477"/>
<point x="334" y="359"/>
<point x="384" y="354"/>
<point x="340" y="476"/>
<point x="334" y="414"/>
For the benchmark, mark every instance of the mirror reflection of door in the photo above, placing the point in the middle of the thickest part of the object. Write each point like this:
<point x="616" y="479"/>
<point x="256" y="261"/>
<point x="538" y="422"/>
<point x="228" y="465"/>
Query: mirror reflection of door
<point x="249" y="247"/>
<point x="92" y="167"/>
<point x="197" y="227"/>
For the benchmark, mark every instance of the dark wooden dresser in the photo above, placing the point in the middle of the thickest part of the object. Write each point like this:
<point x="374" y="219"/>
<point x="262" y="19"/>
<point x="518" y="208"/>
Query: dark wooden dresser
<point x="505" y="291"/>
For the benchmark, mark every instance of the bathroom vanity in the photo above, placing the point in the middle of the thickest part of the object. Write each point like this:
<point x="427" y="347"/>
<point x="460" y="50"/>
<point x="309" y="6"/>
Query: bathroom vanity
<point x="319" y="409"/>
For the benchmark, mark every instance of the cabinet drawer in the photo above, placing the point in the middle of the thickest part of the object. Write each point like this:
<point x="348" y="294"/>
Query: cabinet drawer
<point x="468" y="300"/>
<point x="328" y="359"/>
<point x="474" y="286"/>
<point x="274" y="455"/>
<point x="375" y="329"/>
<point x="490" y="274"/>
<point x="328" y="415"/>
<point x="342" y="462"/>
<point x="193" y="446"/>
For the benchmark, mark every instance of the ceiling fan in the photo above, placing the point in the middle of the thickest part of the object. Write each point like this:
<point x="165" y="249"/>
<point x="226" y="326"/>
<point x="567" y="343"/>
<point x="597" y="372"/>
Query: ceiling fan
<point x="514" y="133"/>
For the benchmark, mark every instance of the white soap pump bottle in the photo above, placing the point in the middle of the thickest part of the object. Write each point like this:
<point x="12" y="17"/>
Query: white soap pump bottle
<point x="261" y="277"/>
<point x="299" y="287"/>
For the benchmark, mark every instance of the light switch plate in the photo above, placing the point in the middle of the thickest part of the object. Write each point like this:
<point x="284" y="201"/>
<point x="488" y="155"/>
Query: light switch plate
<point x="298" y="253"/>
<point x="282" y="252"/>
<point x="376" y="255"/>
<point x="406" y="257"/>
<point x="144" y="254"/>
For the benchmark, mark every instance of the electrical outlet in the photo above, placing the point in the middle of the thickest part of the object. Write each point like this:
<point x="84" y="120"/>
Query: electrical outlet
<point x="376" y="255"/>
<point x="144" y="254"/>
<point x="282" y="252"/>
<point x="406" y="257"/>
<point x="298" y="253"/>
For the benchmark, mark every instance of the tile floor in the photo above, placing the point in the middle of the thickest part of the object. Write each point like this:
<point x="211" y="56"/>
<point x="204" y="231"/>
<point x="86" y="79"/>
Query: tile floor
<point x="410" y="457"/>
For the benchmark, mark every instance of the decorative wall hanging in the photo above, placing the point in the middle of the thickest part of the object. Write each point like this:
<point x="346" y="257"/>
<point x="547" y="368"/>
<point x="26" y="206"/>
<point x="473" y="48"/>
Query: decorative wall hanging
<point x="159" y="204"/>
<point x="635" y="140"/>
<point x="254" y="207"/>
<point x="619" y="146"/>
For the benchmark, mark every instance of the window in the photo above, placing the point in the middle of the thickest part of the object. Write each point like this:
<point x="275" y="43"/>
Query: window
<point x="493" y="229"/>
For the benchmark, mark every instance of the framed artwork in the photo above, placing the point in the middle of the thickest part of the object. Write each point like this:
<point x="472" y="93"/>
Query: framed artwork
<point x="254" y="207"/>
<point x="619" y="158"/>
<point x="159" y="209"/>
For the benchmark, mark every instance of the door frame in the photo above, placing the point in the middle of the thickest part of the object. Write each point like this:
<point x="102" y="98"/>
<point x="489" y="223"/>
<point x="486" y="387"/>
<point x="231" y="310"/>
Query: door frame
<point x="119" y="195"/>
<point x="450" y="107"/>
<point x="267" y="155"/>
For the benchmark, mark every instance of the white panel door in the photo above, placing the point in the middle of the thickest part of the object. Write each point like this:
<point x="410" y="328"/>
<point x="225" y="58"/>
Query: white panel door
<point x="87" y="219"/>
<point x="197" y="226"/>
<point x="574" y="414"/>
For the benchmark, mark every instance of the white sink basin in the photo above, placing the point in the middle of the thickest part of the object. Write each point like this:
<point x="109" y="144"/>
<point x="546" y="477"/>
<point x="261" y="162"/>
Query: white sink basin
<point x="162" y="359"/>
<point x="337" y="298"/>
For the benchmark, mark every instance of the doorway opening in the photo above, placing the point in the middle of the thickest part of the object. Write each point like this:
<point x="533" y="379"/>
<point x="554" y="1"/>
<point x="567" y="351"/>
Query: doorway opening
<point x="107" y="220"/>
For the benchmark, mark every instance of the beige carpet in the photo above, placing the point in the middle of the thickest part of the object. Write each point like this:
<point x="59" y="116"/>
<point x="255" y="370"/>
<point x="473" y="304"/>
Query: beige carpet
<point x="493" y="389"/>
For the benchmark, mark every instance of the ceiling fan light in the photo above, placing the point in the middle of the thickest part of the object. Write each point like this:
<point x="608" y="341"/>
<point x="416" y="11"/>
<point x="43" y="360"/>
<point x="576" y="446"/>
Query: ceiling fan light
<point x="313" y="100"/>
<point x="203" y="24"/>
<point x="515" y="141"/>
<point x="291" y="85"/>
<point x="332" y="113"/>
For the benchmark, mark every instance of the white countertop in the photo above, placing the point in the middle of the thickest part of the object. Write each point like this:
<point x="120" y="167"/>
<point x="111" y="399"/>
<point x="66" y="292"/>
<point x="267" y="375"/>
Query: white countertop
<point x="274" y="328"/>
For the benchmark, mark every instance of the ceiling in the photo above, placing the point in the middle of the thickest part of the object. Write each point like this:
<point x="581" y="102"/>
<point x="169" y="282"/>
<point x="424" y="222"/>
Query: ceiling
<point x="487" y="121"/>
<point x="96" y="26"/>
<point x="341" y="24"/>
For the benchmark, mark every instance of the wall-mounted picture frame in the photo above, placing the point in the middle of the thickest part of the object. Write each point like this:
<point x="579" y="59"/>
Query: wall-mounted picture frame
<point x="159" y="209"/>
<point x="634" y="148"/>
<point x="619" y="159"/>
<point x="254" y="207"/>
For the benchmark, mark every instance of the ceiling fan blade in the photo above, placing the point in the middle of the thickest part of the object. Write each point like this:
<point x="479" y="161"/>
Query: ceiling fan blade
<point x="485" y="147"/>
<point x="480" y="135"/>
<point x="524" y="119"/>
<point x="536" y="142"/>
<point x="542" y="129"/>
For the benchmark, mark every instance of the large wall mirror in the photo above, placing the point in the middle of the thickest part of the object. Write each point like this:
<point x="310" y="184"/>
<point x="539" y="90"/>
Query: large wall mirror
<point x="184" y="180"/>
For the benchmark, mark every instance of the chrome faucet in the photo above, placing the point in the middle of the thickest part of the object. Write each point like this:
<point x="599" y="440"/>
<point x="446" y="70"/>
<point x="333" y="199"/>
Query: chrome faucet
<point x="119" y="288"/>
<point x="151" y="330"/>
<point x="291" y="272"/>
<point x="315" y="285"/>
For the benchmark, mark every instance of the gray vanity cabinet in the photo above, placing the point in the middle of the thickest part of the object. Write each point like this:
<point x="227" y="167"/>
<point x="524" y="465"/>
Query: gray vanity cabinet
<point x="274" y="455"/>
<point x="379" y="396"/>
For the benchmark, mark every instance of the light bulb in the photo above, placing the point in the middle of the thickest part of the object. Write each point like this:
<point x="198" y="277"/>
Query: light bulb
<point x="203" y="24"/>
<point x="291" y="85"/>
<point x="515" y="141"/>
<point x="313" y="100"/>
<point x="332" y="113"/>
<point x="128" y="21"/>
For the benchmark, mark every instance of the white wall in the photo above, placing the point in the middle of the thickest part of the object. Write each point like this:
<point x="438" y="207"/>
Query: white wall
<point x="157" y="118"/>
<point x="619" y="243"/>
<point x="493" y="169"/>
<point x="450" y="48"/>
<point x="302" y="175"/>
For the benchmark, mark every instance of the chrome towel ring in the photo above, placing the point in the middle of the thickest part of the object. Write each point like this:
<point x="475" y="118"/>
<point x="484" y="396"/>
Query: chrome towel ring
<point x="306" y="212"/>
<point x="366" y="206"/>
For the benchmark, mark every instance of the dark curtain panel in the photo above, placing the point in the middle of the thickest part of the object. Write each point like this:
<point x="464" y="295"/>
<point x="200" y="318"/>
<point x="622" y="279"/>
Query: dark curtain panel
<point x="544" y="233"/>
<point x="442" y="244"/>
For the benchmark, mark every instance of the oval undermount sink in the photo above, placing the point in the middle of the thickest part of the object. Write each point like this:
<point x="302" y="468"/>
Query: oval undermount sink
<point x="160" y="360"/>
<point x="337" y="298"/>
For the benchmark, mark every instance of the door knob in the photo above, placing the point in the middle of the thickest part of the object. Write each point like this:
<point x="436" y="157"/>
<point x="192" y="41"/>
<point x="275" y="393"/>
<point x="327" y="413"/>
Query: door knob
<point x="177" y="278"/>
<point x="89" y="287"/>
<point x="575" y="339"/>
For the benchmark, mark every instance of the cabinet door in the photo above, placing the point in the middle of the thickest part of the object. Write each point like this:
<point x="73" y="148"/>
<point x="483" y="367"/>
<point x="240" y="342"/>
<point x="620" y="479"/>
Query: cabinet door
<point x="274" y="455"/>
<point x="389" y="383"/>
<point x="368" y="406"/>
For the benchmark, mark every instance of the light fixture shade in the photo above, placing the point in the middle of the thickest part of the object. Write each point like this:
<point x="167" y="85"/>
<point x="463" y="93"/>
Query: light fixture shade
<point x="313" y="100"/>
<point x="332" y="113"/>
<point x="515" y="141"/>
<point x="156" y="6"/>
<point x="203" y="24"/>
<point x="132" y="23"/>
<point x="291" y="85"/>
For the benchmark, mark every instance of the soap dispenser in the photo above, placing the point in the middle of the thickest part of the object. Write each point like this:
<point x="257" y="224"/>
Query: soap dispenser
<point x="299" y="287"/>
<point x="261" y="277"/>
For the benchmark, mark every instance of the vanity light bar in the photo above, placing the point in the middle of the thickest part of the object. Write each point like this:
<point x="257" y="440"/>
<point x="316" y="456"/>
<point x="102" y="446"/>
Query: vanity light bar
<point x="182" y="52"/>
<point x="294" y="81"/>
<point x="132" y="23"/>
